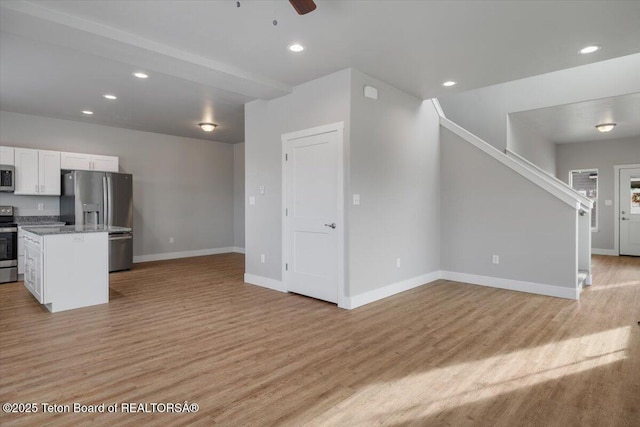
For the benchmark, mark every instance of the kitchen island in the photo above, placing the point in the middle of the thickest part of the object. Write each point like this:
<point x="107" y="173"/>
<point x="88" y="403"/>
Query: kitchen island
<point x="67" y="267"/>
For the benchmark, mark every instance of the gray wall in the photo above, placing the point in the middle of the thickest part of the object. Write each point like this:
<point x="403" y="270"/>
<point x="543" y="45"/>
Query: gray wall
<point x="183" y="187"/>
<point x="484" y="111"/>
<point x="316" y="103"/>
<point x="601" y="155"/>
<point x="238" y="195"/>
<point x="394" y="167"/>
<point x="525" y="141"/>
<point x="489" y="209"/>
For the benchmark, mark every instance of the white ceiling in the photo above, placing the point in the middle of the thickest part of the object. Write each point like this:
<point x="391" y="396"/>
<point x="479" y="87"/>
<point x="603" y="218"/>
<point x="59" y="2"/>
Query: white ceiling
<point x="571" y="123"/>
<point x="207" y="58"/>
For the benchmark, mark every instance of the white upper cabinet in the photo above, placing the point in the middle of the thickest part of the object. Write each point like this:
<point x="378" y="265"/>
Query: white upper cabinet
<point x="75" y="161"/>
<point x="104" y="163"/>
<point x="49" y="173"/>
<point x="26" y="164"/>
<point x="7" y="156"/>
<point x="89" y="162"/>
<point x="37" y="172"/>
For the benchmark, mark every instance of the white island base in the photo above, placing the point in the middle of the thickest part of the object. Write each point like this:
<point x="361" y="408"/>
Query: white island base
<point x="67" y="271"/>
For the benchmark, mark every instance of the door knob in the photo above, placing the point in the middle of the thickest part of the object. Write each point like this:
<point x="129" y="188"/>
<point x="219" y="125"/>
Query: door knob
<point x="332" y="225"/>
<point x="625" y="219"/>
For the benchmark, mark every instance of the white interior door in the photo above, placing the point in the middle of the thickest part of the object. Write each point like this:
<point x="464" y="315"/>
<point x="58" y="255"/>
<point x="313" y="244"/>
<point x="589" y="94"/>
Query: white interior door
<point x="313" y="214"/>
<point x="630" y="211"/>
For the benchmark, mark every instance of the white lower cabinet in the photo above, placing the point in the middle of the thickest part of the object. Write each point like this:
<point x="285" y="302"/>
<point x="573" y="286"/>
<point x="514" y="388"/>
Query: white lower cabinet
<point x="33" y="266"/>
<point x="67" y="271"/>
<point x="21" y="242"/>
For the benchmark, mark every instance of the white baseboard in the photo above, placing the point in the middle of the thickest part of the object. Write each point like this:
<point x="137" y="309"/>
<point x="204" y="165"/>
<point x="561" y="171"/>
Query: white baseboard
<point x="238" y="249"/>
<point x="265" y="282"/>
<point x="389" y="290"/>
<point x="183" y="254"/>
<point x="610" y="252"/>
<point x="514" y="285"/>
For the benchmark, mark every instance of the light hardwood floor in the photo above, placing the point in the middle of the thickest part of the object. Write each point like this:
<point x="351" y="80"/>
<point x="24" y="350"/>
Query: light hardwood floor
<point x="444" y="354"/>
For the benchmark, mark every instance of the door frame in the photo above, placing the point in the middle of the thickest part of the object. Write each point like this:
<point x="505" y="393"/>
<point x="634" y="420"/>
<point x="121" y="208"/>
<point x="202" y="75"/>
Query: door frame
<point x="337" y="127"/>
<point x="616" y="204"/>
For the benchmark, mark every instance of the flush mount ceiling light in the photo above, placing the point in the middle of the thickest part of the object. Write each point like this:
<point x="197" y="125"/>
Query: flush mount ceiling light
<point x="109" y="96"/>
<point x="87" y="112"/>
<point x="449" y="83"/>
<point x="141" y="75"/>
<point x="606" y="127"/>
<point x="589" y="49"/>
<point x="296" y="47"/>
<point x="207" y="127"/>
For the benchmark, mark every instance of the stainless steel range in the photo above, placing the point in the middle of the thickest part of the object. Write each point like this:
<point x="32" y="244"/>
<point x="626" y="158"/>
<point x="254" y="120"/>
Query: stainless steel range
<point x="8" y="246"/>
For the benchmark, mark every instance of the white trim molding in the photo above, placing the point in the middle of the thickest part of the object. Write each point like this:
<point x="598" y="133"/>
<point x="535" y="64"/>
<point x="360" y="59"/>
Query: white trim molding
<point x="265" y="282"/>
<point x="610" y="252"/>
<point x="389" y="290"/>
<point x="238" y="250"/>
<point x="438" y="107"/>
<point x="514" y="285"/>
<point x="318" y="130"/>
<point x="182" y="254"/>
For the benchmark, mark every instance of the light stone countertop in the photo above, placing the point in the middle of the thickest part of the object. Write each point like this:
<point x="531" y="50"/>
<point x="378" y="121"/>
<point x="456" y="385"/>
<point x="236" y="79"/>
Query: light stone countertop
<point x="75" y="229"/>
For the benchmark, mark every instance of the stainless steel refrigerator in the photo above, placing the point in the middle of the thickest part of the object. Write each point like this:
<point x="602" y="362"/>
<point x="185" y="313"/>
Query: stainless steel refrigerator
<point x="101" y="198"/>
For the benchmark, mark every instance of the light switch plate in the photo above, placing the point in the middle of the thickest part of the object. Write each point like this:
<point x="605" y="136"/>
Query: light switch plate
<point x="262" y="189"/>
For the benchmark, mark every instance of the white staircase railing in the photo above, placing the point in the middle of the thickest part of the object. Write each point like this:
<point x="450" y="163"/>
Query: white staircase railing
<point x="585" y="201"/>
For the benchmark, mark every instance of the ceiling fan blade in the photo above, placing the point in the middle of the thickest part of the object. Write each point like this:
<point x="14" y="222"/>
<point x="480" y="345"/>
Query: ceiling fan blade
<point x="303" y="6"/>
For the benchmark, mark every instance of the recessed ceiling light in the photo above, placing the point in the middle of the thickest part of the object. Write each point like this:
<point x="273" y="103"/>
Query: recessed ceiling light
<point x="589" y="49"/>
<point x="87" y="112"/>
<point x="296" y="47"/>
<point x="449" y="83"/>
<point x="141" y="75"/>
<point x="606" y="127"/>
<point x="207" y="127"/>
<point x="109" y="96"/>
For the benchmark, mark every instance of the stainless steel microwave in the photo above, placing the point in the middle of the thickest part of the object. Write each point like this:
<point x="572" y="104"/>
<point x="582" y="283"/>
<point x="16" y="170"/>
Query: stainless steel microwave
<point x="7" y="178"/>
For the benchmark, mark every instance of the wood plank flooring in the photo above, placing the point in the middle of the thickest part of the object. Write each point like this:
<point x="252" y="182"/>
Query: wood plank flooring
<point x="445" y="354"/>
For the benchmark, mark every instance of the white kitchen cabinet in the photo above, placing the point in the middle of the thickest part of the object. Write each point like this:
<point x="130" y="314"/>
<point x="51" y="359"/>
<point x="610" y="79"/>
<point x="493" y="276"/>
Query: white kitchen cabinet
<point x="75" y="161"/>
<point x="34" y="266"/>
<point x="104" y="163"/>
<point x="67" y="271"/>
<point x="49" y="173"/>
<point x="7" y="156"/>
<point x="26" y="164"/>
<point x="21" y="242"/>
<point x="37" y="172"/>
<point x="89" y="162"/>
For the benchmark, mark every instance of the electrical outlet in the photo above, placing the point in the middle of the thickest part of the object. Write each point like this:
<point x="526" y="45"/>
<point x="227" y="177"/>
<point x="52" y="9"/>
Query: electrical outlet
<point x="40" y="206"/>
<point x="496" y="259"/>
<point x="172" y="240"/>
<point x="356" y="199"/>
<point x="398" y="262"/>
<point x="262" y="190"/>
<point x="252" y="200"/>
<point x="262" y="258"/>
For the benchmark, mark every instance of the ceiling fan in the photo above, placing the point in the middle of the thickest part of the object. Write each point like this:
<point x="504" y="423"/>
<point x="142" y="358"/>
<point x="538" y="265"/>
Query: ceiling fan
<point x="303" y="6"/>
